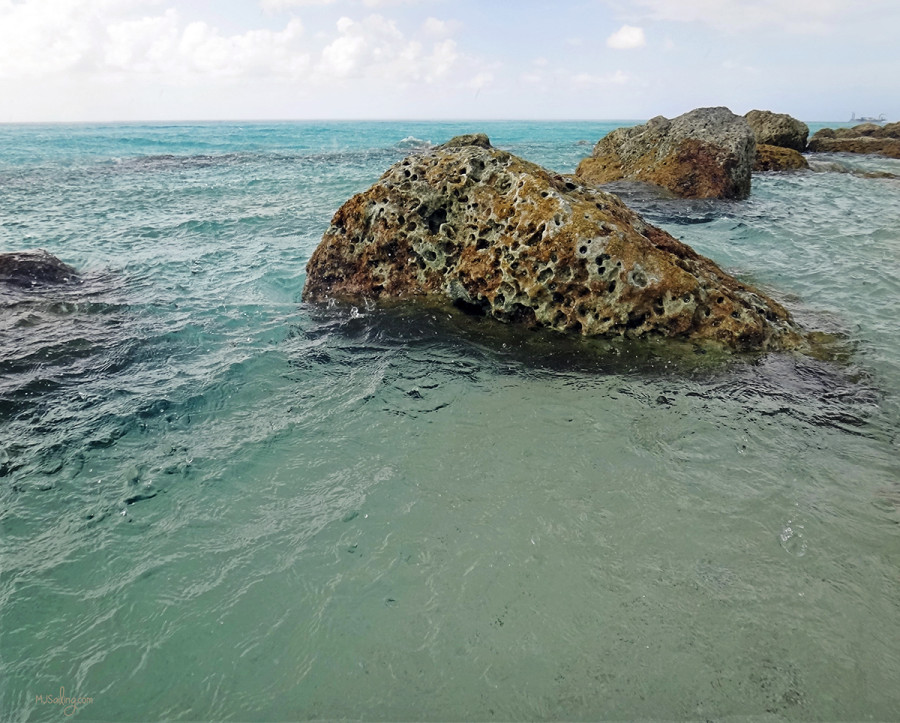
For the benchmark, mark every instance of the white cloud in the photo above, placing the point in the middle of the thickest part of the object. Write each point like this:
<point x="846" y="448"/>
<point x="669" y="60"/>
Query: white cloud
<point x="627" y="37"/>
<point x="388" y="3"/>
<point x="481" y="81"/>
<point x="128" y="38"/>
<point x="587" y="80"/>
<point x="101" y="37"/>
<point x="439" y="28"/>
<point x="280" y="6"/>
<point x="375" y="48"/>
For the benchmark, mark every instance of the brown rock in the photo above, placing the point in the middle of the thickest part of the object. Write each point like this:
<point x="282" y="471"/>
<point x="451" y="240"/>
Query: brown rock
<point x="706" y="153"/>
<point x="890" y="130"/>
<point x="778" y="129"/>
<point x="499" y="236"/>
<point x="864" y="138"/>
<point x="774" y="158"/>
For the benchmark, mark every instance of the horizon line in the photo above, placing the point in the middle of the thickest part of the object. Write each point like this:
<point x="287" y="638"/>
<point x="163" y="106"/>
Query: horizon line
<point x="345" y="120"/>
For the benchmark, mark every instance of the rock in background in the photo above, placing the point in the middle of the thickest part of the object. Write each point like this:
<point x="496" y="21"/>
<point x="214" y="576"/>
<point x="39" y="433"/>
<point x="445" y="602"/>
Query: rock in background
<point x="778" y="129"/>
<point x="863" y="138"/>
<point x="705" y="153"/>
<point x="499" y="236"/>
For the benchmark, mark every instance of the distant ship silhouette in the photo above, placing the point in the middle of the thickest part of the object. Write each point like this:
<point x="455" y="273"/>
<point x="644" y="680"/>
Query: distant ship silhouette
<point x="867" y="119"/>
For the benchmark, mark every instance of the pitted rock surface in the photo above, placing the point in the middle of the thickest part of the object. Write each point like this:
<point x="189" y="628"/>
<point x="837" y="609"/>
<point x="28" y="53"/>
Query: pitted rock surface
<point x="706" y="153"/>
<point x="500" y="236"/>
<point x="778" y="129"/>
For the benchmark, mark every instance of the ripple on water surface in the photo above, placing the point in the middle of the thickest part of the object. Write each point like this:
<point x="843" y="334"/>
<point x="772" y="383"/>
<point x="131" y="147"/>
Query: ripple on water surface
<point x="218" y="503"/>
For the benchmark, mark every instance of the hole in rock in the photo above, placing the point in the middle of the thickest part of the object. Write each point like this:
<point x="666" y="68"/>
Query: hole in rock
<point x="478" y="308"/>
<point x="635" y="320"/>
<point x="536" y="237"/>
<point x="638" y="278"/>
<point x="522" y="314"/>
<point x="435" y="219"/>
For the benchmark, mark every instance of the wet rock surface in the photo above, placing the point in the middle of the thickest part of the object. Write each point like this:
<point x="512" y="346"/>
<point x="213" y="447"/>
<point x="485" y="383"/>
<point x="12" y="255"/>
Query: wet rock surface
<point x="775" y="158"/>
<point x="706" y="153"/>
<point x="498" y="236"/>
<point x="778" y="129"/>
<point x="34" y="268"/>
<point x="863" y="138"/>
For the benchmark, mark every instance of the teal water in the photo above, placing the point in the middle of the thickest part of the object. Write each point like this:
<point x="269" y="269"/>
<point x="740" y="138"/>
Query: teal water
<point x="218" y="503"/>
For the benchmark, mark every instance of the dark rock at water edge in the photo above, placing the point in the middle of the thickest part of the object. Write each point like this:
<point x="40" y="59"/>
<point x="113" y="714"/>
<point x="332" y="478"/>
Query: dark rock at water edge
<point x="778" y="129"/>
<point x="498" y="236"/>
<point x="34" y="268"/>
<point x="705" y="153"/>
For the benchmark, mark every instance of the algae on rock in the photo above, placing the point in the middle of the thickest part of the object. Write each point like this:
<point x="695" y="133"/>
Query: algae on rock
<point x="500" y="236"/>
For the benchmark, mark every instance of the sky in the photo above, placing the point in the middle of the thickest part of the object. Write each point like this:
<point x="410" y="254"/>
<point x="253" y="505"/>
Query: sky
<point x="121" y="60"/>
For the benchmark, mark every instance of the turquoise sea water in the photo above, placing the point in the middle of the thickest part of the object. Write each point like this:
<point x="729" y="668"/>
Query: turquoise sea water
<point x="218" y="503"/>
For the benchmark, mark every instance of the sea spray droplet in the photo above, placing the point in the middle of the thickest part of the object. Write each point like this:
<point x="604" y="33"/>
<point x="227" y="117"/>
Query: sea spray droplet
<point x="792" y="539"/>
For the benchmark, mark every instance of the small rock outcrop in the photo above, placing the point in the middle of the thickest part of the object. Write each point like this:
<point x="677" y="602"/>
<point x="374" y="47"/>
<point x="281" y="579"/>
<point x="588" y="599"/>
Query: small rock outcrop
<point x="495" y="235"/>
<point x="34" y="268"/>
<point x="863" y="138"/>
<point x="706" y="153"/>
<point x="778" y="129"/>
<point x="776" y="158"/>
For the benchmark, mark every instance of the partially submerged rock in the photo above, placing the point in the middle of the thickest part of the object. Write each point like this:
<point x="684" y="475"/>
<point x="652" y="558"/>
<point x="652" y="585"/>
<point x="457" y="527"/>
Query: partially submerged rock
<point x="863" y="138"/>
<point x="775" y="158"/>
<point x="706" y="153"/>
<point x="778" y="129"/>
<point x="496" y="235"/>
<point x="34" y="268"/>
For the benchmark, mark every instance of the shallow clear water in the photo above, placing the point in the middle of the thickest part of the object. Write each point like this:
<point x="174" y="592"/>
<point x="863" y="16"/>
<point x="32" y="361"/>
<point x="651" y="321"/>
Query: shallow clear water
<point x="217" y="503"/>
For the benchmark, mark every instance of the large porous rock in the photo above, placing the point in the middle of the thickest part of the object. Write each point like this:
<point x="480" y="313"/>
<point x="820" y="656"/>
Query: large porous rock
<point x="706" y="153"/>
<point x="776" y="158"/>
<point x="778" y="129"/>
<point x="863" y="138"/>
<point x="34" y="268"/>
<point x="468" y="224"/>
